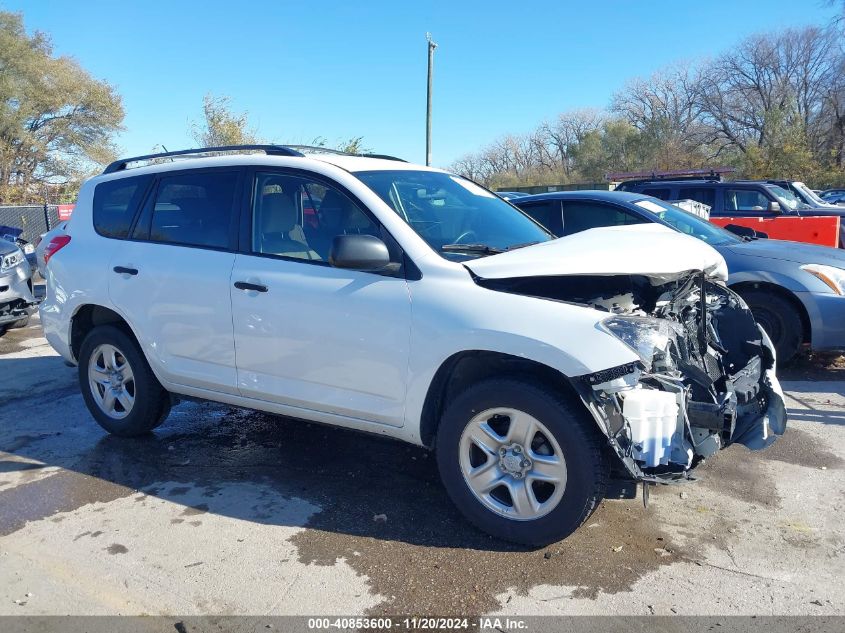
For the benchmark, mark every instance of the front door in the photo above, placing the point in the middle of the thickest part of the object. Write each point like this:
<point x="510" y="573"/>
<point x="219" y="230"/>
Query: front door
<point x="308" y="335"/>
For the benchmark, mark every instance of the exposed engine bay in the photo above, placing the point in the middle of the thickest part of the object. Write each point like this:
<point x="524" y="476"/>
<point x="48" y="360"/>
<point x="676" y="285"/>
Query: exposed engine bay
<point x="705" y="378"/>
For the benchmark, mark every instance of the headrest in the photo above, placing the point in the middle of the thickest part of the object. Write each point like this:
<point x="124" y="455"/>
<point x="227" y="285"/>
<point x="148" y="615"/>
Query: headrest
<point x="278" y="213"/>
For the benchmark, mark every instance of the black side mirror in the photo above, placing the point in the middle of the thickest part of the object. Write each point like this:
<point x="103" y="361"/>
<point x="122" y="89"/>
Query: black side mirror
<point x="359" y="252"/>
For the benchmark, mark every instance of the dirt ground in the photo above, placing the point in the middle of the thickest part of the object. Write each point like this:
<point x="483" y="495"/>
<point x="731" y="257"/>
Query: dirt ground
<point x="228" y="511"/>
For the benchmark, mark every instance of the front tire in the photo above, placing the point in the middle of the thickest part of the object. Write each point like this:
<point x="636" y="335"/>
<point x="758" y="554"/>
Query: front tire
<point x="781" y="321"/>
<point x="118" y="386"/>
<point x="521" y="462"/>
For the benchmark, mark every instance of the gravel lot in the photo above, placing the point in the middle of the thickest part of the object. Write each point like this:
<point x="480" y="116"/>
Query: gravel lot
<point x="226" y="511"/>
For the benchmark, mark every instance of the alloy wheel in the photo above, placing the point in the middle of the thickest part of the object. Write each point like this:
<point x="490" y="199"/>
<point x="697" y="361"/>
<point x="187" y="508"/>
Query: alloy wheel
<point x="112" y="381"/>
<point x="512" y="464"/>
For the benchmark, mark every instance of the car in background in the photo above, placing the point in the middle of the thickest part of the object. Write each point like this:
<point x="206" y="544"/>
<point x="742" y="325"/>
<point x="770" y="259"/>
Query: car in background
<point x="744" y="201"/>
<point x="15" y="236"/>
<point x="803" y="193"/>
<point x="16" y="299"/>
<point x="796" y="291"/>
<point x="511" y="195"/>
<point x="833" y="196"/>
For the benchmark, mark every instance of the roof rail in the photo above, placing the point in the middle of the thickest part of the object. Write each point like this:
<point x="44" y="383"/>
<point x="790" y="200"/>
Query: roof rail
<point x="675" y="174"/>
<point x="316" y="149"/>
<point x="383" y="157"/>
<point x="270" y="150"/>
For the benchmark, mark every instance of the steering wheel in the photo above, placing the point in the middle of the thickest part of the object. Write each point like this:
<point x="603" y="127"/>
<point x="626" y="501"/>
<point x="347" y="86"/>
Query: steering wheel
<point x="464" y="235"/>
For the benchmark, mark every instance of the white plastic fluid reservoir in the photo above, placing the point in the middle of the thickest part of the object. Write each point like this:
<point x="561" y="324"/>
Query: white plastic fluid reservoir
<point x="653" y="416"/>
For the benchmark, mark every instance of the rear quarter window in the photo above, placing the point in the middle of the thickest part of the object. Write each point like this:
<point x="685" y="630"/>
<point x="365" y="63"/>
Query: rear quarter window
<point x="662" y="193"/>
<point x="704" y="195"/>
<point x="115" y="204"/>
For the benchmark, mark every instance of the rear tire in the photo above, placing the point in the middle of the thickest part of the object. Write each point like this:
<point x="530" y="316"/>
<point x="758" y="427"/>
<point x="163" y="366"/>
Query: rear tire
<point x="118" y="386"/>
<point x="781" y="321"/>
<point x="553" y="510"/>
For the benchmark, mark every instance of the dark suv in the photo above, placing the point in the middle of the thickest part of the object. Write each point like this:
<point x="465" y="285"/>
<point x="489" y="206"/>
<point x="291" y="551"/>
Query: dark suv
<point x="738" y="198"/>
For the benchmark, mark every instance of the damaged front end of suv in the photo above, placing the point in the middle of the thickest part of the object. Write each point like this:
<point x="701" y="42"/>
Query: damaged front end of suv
<point x="704" y="379"/>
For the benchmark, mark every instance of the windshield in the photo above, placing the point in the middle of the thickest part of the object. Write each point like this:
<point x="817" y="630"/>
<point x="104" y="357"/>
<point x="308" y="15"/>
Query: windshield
<point x="810" y="195"/>
<point x="457" y="218"/>
<point x="787" y="199"/>
<point x="688" y="223"/>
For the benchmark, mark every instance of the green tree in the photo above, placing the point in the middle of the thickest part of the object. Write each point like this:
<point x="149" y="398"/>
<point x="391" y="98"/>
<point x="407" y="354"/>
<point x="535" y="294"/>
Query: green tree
<point x="352" y="145"/>
<point x="616" y="146"/>
<point x="220" y="126"/>
<point x="57" y="123"/>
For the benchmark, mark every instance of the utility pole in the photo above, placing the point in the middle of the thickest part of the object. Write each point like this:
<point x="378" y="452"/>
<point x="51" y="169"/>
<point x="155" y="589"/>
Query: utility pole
<point x="431" y="47"/>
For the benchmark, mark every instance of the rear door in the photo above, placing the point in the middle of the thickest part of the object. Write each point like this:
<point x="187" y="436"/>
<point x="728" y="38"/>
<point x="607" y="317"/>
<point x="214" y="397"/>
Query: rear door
<point x="309" y="335"/>
<point x="581" y="215"/>
<point x="171" y="278"/>
<point x="546" y="212"/>
<point x="704" y="195"/>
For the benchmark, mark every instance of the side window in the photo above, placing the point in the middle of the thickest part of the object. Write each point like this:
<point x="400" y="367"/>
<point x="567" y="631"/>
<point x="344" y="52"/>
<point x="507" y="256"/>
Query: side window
<point x="704" y="195"/>
<point x="115" y="203"/>
<point x="580" y="216"/>
<point x="663" y="194"/>
<point x="298" y="217"/>
<point x="546" y="213"/>
<point x="747" y="200"/>
<point x="195" y="209"/>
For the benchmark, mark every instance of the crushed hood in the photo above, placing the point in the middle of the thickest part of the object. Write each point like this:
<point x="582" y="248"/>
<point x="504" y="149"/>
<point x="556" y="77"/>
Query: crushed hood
<point x="642" y="249"/>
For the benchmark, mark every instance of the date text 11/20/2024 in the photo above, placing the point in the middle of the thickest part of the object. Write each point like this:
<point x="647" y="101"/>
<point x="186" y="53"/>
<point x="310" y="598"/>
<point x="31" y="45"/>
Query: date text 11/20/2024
<point x="420" y="623"/>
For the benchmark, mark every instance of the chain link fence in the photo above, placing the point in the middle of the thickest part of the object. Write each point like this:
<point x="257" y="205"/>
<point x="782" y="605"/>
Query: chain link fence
<point x="34" y="219"/>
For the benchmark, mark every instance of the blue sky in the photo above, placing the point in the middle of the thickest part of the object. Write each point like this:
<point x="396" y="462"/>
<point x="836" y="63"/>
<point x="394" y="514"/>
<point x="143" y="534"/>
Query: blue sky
<point x="341" y="69"/>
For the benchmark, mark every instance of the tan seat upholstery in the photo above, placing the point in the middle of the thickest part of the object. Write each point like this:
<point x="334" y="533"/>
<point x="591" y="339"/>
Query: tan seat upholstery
<point x="278" y="220"/>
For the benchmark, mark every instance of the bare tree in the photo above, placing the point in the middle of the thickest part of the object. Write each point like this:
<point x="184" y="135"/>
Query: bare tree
<point x="561" y="136"/>
<point x="666" y="110"/>
<point x="766" y="82"/>
<point x="774" y="105"/>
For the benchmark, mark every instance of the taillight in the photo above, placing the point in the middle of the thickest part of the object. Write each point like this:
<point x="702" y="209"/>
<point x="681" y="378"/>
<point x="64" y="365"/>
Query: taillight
<point x="56" y="244"/>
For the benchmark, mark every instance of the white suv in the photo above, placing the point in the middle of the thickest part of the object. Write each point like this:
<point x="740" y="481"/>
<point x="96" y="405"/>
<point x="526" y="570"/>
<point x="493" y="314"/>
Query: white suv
<point x="377" y="295"/>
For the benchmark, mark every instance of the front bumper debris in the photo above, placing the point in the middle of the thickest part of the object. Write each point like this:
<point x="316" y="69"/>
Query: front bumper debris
<point x="706" y="382"/>
<point x="16" y="298"/>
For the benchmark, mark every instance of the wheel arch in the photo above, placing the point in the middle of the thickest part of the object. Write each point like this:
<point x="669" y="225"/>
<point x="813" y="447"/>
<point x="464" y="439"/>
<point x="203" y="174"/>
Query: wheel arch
<point x="787" y="295"/>
<point x="470" y="366"/>
<point x="92" y="315"/>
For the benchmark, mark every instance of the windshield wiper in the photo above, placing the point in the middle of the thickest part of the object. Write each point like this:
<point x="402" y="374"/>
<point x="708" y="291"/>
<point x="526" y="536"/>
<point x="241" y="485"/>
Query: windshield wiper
<point x="523" y="245"/>
<point x="470" y="248"/>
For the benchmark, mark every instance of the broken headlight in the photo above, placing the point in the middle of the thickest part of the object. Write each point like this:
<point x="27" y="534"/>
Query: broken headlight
<point x="646" y="336"/>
